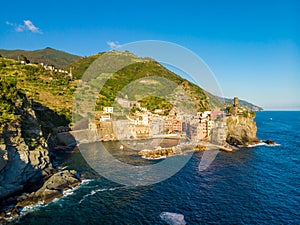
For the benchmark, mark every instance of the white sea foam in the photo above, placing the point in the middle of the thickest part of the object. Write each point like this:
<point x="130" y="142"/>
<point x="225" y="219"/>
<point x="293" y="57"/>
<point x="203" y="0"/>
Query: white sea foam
<point x="96" y="191"/>
<point x="173" y="218"/>
<point x="32" y="208"/>
<point x="72" y="190"/>
<point x="84" y="182"/>
<point x="262" y="144"/>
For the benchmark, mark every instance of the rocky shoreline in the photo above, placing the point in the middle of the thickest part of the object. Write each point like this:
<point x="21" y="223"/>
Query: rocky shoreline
<point x="27" y="175"/>
<point x="52" y="189"/>
<point x="160" y="153"/>
<point x="181" y="149"/>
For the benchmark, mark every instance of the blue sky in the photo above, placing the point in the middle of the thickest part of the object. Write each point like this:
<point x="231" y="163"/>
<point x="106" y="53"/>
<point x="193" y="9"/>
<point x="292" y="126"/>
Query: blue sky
<point x="253" y="47"/>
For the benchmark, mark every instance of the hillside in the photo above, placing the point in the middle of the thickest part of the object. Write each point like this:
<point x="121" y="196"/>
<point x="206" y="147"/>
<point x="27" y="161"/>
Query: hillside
<point x="48" y="88"/>
<point x="139" y="69"/>
<point x="49" y="56"/>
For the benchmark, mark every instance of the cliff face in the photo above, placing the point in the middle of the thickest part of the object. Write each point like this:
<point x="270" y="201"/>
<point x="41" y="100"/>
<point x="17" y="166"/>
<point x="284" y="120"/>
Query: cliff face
<point x="241" y="130"/>
<point x="27" y="159"/>
<point x="27" y="175"/>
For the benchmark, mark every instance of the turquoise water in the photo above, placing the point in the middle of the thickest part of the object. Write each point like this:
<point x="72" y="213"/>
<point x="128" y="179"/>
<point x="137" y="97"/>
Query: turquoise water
<point x="259" y="185"/>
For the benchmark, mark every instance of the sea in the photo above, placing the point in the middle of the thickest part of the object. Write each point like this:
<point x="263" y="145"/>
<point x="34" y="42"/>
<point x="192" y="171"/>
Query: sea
<point x="253" y="185"/>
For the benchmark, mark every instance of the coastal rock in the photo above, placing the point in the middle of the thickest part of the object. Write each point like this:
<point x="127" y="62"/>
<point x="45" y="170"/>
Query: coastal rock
<point x="270" y="142"/>
<point x="49" y="195"/>
<point x="52" y="188"/>
<point x="156" y="153"/>
<point x="24" y="166"/>
<point x="241" y="130"/>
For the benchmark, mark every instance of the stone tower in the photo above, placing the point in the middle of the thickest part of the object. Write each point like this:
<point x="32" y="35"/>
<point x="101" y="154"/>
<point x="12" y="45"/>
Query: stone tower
<point x="235" y="101"/>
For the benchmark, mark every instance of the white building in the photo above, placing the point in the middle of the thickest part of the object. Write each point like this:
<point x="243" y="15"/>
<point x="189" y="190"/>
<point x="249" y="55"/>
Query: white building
<point x="108" y="109"/>
<point x="105" y="117"/>
<point x="140" y="119"/>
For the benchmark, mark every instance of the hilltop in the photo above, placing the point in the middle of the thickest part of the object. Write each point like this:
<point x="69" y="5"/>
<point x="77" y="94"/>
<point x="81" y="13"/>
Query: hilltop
<point x="137" y="70"/>
<point x="50" y="56"/>
<point x="140" y="67"/>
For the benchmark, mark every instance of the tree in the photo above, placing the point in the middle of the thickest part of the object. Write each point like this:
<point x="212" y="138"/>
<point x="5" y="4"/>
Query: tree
<point x="24" y="58"/>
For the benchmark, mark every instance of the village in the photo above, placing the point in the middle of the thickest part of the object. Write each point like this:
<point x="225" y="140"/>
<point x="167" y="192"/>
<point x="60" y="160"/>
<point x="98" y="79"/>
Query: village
<point x="143" y="124"/>
<point x="24" y="61"/>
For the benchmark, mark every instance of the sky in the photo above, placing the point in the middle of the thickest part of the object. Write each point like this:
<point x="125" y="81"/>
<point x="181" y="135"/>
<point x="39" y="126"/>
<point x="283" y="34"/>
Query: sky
<point x="252" y="47"/>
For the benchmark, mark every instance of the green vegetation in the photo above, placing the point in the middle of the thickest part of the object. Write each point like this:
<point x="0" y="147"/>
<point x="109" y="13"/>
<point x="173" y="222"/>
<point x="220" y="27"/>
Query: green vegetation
<point x="152" y="103"/>
<point x="81" y="65"/>
<point x="143" y="80"/>
<point x="137" y="68"/>
<point x="249" y="114"/>
<point x="51" y="89"/>
<point x="48" y="56"/>
<point x="10" y="99"/>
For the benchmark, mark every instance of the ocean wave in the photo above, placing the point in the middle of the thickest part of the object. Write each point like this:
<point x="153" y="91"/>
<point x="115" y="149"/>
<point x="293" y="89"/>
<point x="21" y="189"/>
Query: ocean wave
<point x="173" y="218"/>
<point x="262" y="144"/>
<point x="39" y="205"/>
<point x="96" y="191"/>
<point x="87" y="181"/>
<point x="68" y="192"/>
<point x="72" y="190"/>
<point x="31" y="208"/>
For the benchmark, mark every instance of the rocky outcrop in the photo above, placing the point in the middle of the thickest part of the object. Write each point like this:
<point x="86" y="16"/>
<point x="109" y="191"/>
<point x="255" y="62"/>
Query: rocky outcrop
<point x="241" y="130"/>
<point x="170" y="151"/>
<point x="24" y="166"/>
<point x="52" y="188"/>
<point x="270" y="142"/>
<point x="27" y="175"/>
<point x="156" y="153"/>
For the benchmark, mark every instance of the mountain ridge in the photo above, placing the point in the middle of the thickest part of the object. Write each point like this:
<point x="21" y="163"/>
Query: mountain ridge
<point x="48" y="55"/>
<point x="62" y="59"/>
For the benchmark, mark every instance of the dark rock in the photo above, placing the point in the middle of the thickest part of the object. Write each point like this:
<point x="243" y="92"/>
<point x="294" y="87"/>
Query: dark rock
<point x="270" y="142"/>
<point x="50" y="195"/>
<point x="234" y="141"/>
<point x="52" y="188"/>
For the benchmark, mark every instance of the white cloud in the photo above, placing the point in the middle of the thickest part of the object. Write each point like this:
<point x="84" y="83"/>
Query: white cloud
<point x="27" y="26"/>
<point x="113" y="44"/>
<point x="30" y="26"/>
<point x="19" y="28"/>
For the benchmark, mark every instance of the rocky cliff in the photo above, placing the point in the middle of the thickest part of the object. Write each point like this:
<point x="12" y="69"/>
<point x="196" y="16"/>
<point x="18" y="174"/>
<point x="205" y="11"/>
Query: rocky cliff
<point x="241" y="129"/>
<point x="27" y="175"/>
<point x="27" y="160"/>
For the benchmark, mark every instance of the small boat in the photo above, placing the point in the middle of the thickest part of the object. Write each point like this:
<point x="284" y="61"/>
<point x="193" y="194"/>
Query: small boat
<point x="121" y="147"/>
